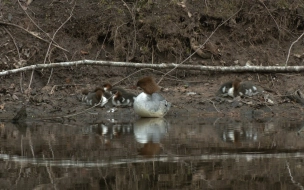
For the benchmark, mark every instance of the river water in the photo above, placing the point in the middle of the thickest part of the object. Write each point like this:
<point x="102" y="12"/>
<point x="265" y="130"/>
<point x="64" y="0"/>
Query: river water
<point x="173" y="153"/>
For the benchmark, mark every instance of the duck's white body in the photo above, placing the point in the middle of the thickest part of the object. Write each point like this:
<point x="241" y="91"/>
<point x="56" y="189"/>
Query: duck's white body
<point x="155" y="105"/>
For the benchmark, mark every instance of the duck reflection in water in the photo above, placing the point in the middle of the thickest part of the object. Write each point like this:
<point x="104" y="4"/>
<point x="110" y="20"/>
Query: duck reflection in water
<point x="239" y="132"/>
<point x="149" y="132"/>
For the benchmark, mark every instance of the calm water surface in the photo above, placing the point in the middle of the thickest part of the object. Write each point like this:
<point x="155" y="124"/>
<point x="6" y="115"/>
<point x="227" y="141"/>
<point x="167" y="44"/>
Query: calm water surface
<point x="171" y="153"/>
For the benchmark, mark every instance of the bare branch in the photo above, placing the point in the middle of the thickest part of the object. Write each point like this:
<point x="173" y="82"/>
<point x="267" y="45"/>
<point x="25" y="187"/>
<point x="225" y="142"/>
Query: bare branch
<point x="21" y="87"/>
<point x="291" y="47"/>
<point x="36" y="23"/>
<point x="32" y="33"/>
<point x="231" y="69"/>
<point x="48" y="50"/>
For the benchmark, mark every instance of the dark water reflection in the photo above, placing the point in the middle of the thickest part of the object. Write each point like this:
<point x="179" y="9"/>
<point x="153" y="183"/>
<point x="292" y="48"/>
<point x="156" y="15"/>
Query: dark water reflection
<point x="171" y="153"/>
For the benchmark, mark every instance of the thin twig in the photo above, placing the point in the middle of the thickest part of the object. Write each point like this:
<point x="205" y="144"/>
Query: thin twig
<point x="53" y="88"/>
<point x="270" y="14"/>
<point x="102" y="45"/>
<point x="32" y="33"/>
<point x="201" y="46"/>
<point x="13" y="41"/>
<point x="49" y="57"/>
<point x="291" y="177"/>
<point x="19" y="56"/>
<point x="291" y="47"/>
<point x="130" y="75"/>
<point x="261" y="1"/>
<point x="169" y="78"/>
<point x="31" y="144"/>
<point x="47" y="52"/>
<point x="99" y="103"/>
<point x="134" y="25"/>
<point x="35" y="23"/>
<point x="213" y="105"/>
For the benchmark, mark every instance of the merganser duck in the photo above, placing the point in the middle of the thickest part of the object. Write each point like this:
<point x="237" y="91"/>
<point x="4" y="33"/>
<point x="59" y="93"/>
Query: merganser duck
<point x="238" y="88"/>
<point x="123" y="100"/>
<point x="149" y="103"/>
<point x="93" y="98"/>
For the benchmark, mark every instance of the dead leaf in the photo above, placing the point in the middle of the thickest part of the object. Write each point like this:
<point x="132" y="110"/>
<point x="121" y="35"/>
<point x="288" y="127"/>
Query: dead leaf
<point x="29" y="2"/>
<point x="15" y="97"/>
<point x="2" y="126"/>
<point x="23" y="7"/>
<point x="68" y="80"/>
<point x="84" y="52"/>
<point x="12" y="86"/>
<point x="298" y="55"/>
<point x="2" y="106"/>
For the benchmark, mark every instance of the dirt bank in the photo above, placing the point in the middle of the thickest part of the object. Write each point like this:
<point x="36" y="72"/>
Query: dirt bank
<point x="147" y="31"/>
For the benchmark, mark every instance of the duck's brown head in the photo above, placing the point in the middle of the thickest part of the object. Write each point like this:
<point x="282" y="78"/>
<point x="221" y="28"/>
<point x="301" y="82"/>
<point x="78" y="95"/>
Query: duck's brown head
<point x="117" y="95"/>
<point x="107" y="87"/>
<point x="236" y="85"/>
<point x="148" y="85"/>
<point x="99" y="94"/>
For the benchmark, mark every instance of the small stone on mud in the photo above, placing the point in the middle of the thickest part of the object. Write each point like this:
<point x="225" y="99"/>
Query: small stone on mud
<point x="33" y="92"/>
<point x="7" y="97"/>
<point x="191" y="93"/>
<point x="2" y="91"/>
<point x="21" y="114"/>
<point x="12" y="86"/>
<point x="165" y="89"/>
<point x="15" y="97"/>
<point x="236" y="104"/>
<point x="248" y="63"/>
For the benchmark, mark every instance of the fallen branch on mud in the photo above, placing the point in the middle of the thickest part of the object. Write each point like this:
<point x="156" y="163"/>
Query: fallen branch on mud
<point x="231" y="69"/>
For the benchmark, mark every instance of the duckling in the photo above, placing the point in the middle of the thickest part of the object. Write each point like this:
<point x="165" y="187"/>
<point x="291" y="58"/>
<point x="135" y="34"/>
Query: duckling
<point x="238" y="88"/>
<point x="95" y="97"/>
<point x="123" y="100"/>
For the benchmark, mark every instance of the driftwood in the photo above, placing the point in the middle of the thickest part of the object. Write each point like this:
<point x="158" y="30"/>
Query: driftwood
<point x="231" y="69"/>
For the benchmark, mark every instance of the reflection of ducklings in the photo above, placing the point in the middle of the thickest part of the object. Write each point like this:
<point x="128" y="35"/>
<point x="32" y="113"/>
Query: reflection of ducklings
<point x="238" y="133"/>
<point x="233" y="134"/>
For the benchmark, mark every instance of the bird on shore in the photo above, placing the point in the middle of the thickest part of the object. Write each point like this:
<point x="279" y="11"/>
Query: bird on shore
<point x="121" y="97"/>
<point x="239" y="88"/>
<point x="149" y="103"/>
<point x="122" y="100"/>
<point x="95" y="97"/>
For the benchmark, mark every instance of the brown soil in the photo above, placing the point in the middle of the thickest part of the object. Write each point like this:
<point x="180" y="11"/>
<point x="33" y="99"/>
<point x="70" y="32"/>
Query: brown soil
<point x="149" y="31"/>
